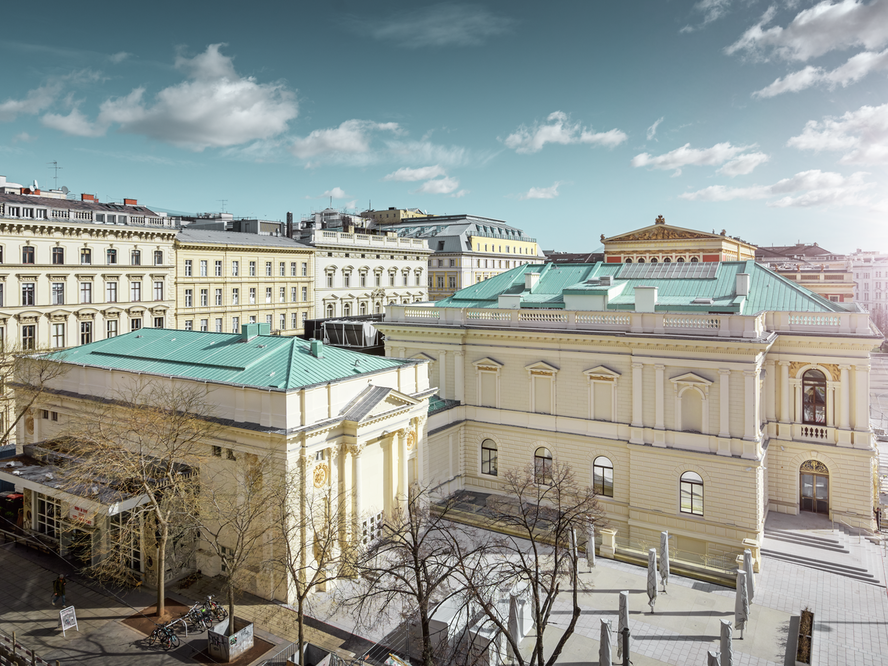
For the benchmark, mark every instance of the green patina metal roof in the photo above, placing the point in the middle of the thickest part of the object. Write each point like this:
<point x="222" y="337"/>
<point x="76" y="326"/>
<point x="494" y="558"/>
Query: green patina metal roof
<point x="767" y="290"/>
<point x="267" y="361"/>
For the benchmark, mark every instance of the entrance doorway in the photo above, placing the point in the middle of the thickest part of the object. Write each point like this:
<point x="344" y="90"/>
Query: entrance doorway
<point x="814" y="487"/>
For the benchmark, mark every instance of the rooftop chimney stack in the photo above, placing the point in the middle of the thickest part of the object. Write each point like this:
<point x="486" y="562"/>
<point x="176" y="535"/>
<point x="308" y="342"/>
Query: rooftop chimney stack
<point x="530" y="280"/>
<point x="645" y="299"/>
<point x="742" y="288"/>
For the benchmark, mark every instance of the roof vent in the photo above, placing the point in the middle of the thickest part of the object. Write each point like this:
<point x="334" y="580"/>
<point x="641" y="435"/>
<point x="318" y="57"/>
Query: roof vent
<point x="742" y="284"/>
<point x="317" y="348"/>
<point x="606" y="280"/>
<point x="645" y="299"/>
<point x="702" y="301"/>
<point x="530" y="280"/>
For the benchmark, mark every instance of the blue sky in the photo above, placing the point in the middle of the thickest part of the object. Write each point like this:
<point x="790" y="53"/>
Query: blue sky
<point x="566" y="119"/>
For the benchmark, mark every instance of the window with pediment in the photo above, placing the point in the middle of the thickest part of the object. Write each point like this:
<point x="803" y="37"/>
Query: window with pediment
<point x="602" y="393"/>
<point x="542" y="387"/>
<point x="488" y="371"/>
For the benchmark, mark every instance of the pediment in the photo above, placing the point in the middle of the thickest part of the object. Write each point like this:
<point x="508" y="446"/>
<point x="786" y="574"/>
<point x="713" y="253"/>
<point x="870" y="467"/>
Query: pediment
<point x="691" y="378"/>
<point x="376" y="400"/>
<point x="661" y="232"/>
<point x="487" y="363"/>
<point x="541" y="366"/>
<point x="602" y="372"/>
<point x="422" y="356"/>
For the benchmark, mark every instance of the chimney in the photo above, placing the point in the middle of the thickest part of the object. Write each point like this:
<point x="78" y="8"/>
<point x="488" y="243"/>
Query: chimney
<point x="317" y="348"/>
<point x="130" y="202"/>
<point x="530" y="280"/>
<point x="645" y="299"/>
<point x="87" y="197"/>
<point x="742" y="287"/>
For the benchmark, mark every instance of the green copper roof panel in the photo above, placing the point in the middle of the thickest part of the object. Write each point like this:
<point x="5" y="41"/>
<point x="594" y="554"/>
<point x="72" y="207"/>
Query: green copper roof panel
<point x="266" y="360"/>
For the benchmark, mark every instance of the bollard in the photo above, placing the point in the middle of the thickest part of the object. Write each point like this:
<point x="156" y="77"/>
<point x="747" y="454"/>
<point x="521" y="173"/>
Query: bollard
<point x="13" y="644"/>
<point x="625" y="639"/>
<point x="33" y="657"/>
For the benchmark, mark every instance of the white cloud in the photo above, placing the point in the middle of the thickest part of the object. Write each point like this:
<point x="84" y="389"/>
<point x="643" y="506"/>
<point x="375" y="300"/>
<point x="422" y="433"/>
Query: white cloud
<point x="862" y="136"/>
<point x="825" y="27"/>
<point x="35" y="101"/>
<point x="23" y="137"/>
<point x="541" y="192"/>
<point x="852" y="71"/>
<point x="350" y="138"/>
<point x="712" y="10"/>
<point x="437" y="25"/>
<point x="406" y="174"/>
<point x="426" y="152"/>
<point x="460" y="194"/>
<point x="213" y="107"/>
<point x="735" y="159"/>
<point x="817" y="188"/>
<point x="439" y="186"/>
<point x="559" y="129"/>
<point x="336" y="193"/>
<point x="652" y="130"/>
<point x="119" y="57"/>
<point x="743" y="164"/>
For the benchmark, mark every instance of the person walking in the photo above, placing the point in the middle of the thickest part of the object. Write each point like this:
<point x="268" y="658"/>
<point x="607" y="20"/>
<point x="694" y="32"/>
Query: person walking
<point x="58" y="590"/>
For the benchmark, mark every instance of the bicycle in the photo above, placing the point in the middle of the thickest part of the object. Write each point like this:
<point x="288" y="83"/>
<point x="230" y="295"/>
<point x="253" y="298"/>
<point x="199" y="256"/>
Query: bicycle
<point x="219" y="612"/>
<point x="165" y="635"/>
<point x="199" y="617"/>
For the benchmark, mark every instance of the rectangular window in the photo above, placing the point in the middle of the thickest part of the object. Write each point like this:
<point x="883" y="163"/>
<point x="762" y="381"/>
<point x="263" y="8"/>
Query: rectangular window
<point x="29" y="336"/>
<point x="283" y="320"/>
<point x="293" y="293"/>
<point x="189" y="298"/>
<point x="86" y="256"/>
<point x="135" y="291"/>
<point x="267" y="269"/>
<point x="282" y="269"/>
<point x="58" y="336"/>
<point x="189" y="324"/>
<point x="86" y="332"/>
<point x="252" y="295"/>
<point x="219" y="297"/>
<point x="28" y="293"/>
<point x="111" y="257"/>
<point x="378" y="279"/>
<point x="252" y="269"/>
<point x="451" y="282"/>
<point x="268" y="320"/>
<point x="203" y="268"/>
<point x="293" y="268"/>
<point x="329" y="280"/>
<point x="488" y="457"/>
<point x="219" y="325"/>
<point x="235" y="296"/>
<point x="418" y="280"/>
<point x="158" y="290"/>
<point x="304" y="317"/>
<point x="58" y="293"/>
<point x="391" y="279"/>
<point x="440" y="281"/>
<point x="49" y="515"/>
<point x="158" y="257"/>
<point x="691" y="496"/>
<point x="235" y="268"/>
<point x="58" y="255"/>
<point x="159" y="322"/>
<point x="111" y="328"/>
<point x="188" y="268"/>
<point x="282" y="295"/>
<point x="304" y="269"/>
<point x="346" y="280"/>
<point x="1" y="294"/>
<point x="304" y="293"/>
<point x="268" y="294"/>
<point x="252" y="319"/>
<point x="136" y="257"/>
<point x="363" y="279"/>
<point x="111" y="292"/>
<point x="204" y="325"/>
<point x="135" y="323"/>
<point x="235" y="324"/>
<point x="27" y="254"/>
<point x="204" y="297"/>
<point x="217" y="267"/>
<point x="294" y="321"/>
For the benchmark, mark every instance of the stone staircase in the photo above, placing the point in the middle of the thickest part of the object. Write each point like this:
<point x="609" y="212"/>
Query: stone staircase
<point x="812" y="541"/>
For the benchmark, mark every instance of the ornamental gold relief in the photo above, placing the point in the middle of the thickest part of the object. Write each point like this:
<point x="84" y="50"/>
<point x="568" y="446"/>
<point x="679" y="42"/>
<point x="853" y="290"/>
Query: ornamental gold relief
<point x="320" y="474"/>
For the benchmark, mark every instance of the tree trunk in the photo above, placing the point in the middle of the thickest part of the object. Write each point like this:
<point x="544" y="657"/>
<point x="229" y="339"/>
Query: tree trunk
<point x="300" y="616"/>
<point x="230" y="608"/>
<point x="161" y="570"/>
<point x="428" y="658"/>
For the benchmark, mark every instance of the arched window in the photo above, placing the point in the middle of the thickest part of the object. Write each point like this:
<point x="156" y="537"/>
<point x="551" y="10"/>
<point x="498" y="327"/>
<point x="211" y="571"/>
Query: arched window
<point x="363" y="308"/>
<point x="694" y="260"/>
<point x="814" y="397"/>
<point x="603" y="477"/>
<point x="654" y="260"/>
<point x="628" y="261"/>
<point x="329" y="309"/>
<point x="346" y="309"/>
<point x="680" y="260"/>
<point x="488" y="457"/>
<point x="641" y="260"/>
<point x="692" y="493"/>
<point x="542" y="465"/>
<point x="667" y="260"/>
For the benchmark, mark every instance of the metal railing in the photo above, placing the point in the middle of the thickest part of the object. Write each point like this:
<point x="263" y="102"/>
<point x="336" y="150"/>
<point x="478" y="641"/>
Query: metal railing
<point x="722" y="564"/>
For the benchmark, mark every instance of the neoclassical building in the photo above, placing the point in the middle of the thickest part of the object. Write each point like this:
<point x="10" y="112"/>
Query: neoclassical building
<point x="355" y="422"/>
<point x="694" y="397"/>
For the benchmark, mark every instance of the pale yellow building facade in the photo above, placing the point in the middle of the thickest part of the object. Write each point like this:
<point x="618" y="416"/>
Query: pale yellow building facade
<point x="227" y="279"/>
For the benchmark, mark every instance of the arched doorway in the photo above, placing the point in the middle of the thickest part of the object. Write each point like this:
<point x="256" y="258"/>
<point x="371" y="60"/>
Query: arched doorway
<point x="814" y="487"/>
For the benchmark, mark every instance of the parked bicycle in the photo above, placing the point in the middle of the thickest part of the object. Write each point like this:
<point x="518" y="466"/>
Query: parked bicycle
<point x="164" y="634"/>
<point x="200" y="617"/>
<point x="218" y="611"/>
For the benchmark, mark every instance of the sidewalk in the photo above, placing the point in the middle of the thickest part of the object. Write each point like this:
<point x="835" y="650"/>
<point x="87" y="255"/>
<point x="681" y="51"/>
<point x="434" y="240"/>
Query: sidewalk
<point x="103" y="640"/>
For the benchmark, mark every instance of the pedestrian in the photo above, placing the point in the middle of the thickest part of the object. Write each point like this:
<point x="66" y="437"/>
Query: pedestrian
<point x="58" y="590"/>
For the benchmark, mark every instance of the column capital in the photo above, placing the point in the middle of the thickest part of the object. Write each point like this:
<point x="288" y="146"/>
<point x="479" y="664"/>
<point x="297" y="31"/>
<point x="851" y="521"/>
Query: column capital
<point x="844" y="367"/>
<point x="659" y="366"/>
<point x="783" y="364"/>
<point x="637" y="365"/>
<point x="459" y="353"/>
<point x="862" y="368"/>
<point x="750" y="373"/>
<point x="724" y="371"/>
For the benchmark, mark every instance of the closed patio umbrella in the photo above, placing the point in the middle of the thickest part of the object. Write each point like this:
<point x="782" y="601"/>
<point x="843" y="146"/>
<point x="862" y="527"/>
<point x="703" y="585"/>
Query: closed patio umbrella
<point x="623" y="621"/>
<point x="741" y="603"/>
<point x="590" y="544"/>
<point x="747" y="567"/>
<point x="604" y="646"/>
<point x="712" y="658"/>
<point x="726" y="649"/>
<point x="664" y="559"/>
<point x="514" y="627"/>
<point x="652" y="586"/>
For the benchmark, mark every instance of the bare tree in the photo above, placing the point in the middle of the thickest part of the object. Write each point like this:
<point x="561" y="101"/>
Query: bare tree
<point x="410" y="568"/>
<point x="25" y="375"/>
<point x="148" y="442"/>
<point x="540" y="509"/>
<point x="233" y="517"/>
<point x="309" y="522"/>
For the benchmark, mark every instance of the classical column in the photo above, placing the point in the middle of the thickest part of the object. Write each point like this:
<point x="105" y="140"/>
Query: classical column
<point x="660" y="400"/>
<point x="784" y="392"/>
<point x="637" y="401"/>
<point x="750" y="427"/>
<point x="459" y="388"/>
<point x="845" y="398"/>
<point x="771" y="392"/>
<point x="356" y="487"/>
<point x="401" y="436"/>
<point x="861" y="397"/>
<point x="442" y="374"/>
<point x="724" y="403"/>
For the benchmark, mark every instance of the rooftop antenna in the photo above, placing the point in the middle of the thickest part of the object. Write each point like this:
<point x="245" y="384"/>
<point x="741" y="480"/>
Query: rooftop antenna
<point x="223" y="202"/>
<point x="55" y="166"/>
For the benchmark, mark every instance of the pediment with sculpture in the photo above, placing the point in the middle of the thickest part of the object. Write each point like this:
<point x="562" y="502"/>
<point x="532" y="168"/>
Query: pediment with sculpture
<point x="660" y="232"/>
